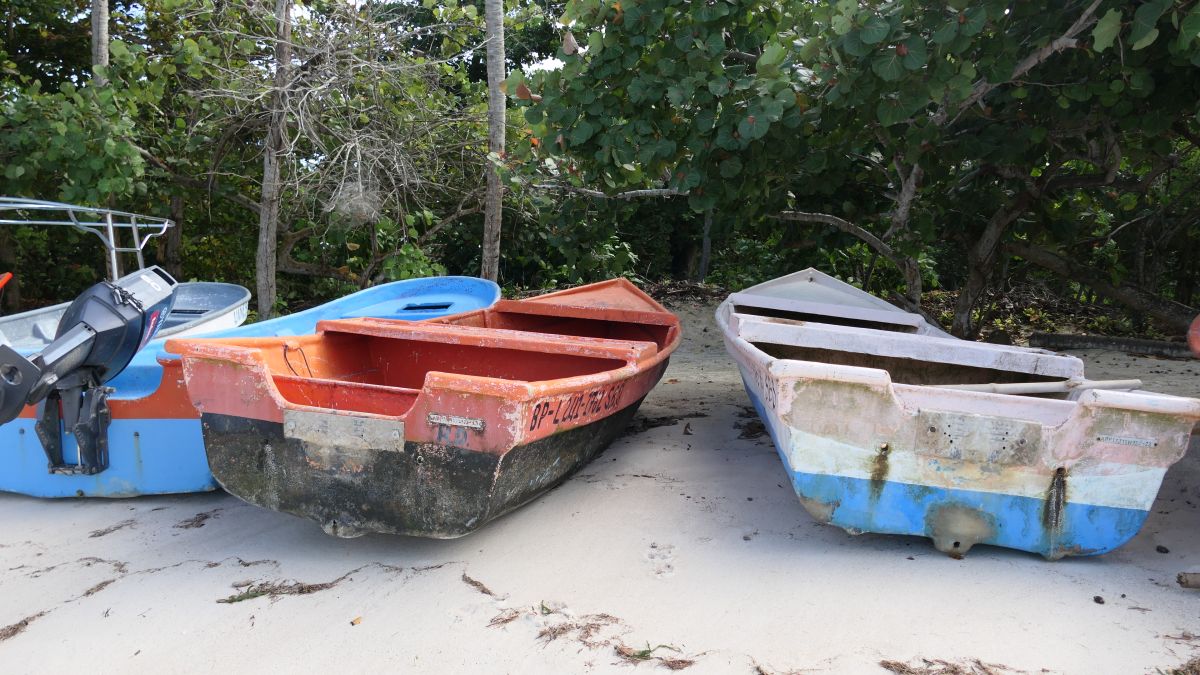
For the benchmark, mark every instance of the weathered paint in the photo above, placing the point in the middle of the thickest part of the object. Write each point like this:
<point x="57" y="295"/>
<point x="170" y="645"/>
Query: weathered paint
<point x="1056" y="477"/>
<point x="433" y="428"/>
<point x="155" y="442"/>
<point x="439" y="490"/>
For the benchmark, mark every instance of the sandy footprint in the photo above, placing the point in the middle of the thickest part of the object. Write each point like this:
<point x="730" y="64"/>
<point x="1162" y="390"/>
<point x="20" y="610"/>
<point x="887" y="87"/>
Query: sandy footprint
<point x="662" y="559"/>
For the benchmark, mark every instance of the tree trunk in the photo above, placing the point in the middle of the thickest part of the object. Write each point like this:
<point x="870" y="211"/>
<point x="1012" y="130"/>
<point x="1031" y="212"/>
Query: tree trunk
<point x="8" y="263"/>
<point x="1171" y="314"/>
<point x="100" y="38"/>
<point x="706" y="247"/>
<point x="173" y="241"/>
<point x="494" y="201"/>
<point x="981" y="261"/>
<point x="268" y="214"/>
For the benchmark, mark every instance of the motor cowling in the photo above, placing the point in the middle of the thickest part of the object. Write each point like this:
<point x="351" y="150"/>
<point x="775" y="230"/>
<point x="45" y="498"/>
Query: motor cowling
<point x="96" y="339"/>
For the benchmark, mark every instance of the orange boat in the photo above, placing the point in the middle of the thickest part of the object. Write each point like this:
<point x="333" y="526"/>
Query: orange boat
<point x="429" y="428"/>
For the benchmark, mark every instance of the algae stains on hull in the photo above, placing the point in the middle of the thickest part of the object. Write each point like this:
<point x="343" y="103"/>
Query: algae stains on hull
<point x="955" y="528"/>
<point x="879" y="471"/>
<point x="424" y="489"/>
<point x="1052" y="513"/>
<point x="1056" y="498"/>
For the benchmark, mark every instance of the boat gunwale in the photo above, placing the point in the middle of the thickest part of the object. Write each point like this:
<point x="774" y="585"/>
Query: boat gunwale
<point x="249" y="353"/>
<point x="1134" y="401"/>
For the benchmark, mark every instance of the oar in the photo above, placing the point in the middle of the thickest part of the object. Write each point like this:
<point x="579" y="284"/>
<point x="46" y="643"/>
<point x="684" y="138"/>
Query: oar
<point x="1043" y="387"/>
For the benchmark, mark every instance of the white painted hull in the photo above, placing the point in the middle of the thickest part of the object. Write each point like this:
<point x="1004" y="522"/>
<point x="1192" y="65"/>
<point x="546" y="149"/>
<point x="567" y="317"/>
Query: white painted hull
<point x="1057" y="477"/>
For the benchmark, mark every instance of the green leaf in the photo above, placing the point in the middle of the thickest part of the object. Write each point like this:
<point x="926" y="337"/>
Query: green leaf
<point x="731" y="167"/>
<point x="875" y="30"/>
<point x="853" y="45"/>
<point x="946" y="34"/>
<point x="811" y="50"/>
<point x="772" y="109"/>
<point x="1189" y="28"/>
<point x="976" y="18"/>
<point x="889" y="112"/>
<point x="773" y="55"/>
<point x="917" y="54"/>
<point x="1147" y="39"/>
<point x="1144" y="32"/>
<point x="754" y="125"/>
<point x="888" y="66"/>
<point x="1106" y="30"/>
<point x="842" y="23"/>
<point x="582" y="131"/>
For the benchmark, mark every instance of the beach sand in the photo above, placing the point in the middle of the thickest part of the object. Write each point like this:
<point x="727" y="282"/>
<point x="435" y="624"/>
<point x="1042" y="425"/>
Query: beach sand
<point x="682" y="546"/>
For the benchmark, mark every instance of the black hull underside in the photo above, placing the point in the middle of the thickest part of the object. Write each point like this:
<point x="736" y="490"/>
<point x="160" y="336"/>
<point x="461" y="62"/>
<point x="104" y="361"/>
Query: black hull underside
<point x="426" y="490"/>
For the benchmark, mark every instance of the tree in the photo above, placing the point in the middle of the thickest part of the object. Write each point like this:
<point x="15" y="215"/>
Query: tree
<point x="273" y="151"/>
<point x="494" y="205"/>
<point x="924" y="122"/>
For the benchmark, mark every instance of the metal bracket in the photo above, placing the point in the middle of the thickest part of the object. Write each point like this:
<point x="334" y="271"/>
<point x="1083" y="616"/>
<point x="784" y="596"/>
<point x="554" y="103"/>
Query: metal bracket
<point x="87" y="415"/>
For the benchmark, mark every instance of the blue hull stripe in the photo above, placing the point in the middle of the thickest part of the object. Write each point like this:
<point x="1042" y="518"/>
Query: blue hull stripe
<point x="903" y="508"/>
<point x="146" y="456"/>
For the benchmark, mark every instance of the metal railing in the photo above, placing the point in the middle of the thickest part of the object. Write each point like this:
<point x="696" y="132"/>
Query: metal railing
<point x="108" y="225"/>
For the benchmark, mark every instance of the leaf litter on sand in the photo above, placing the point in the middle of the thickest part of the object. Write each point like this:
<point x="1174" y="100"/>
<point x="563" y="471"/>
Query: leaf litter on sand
<point x="922" y="666"/>
<point x="635" y="656"/>
<point x="112" y="528"/>
<point x="505" y="617"/>
<point x="477" y="585"/>
<point x="12" y="630"/>
<point x="586" y="628"/>
<point x="197" y="520"/>
<point x="275" y="589"/>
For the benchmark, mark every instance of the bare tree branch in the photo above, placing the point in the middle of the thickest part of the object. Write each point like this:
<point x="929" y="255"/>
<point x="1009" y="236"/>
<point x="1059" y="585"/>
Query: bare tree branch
<point x="629" y="194"/>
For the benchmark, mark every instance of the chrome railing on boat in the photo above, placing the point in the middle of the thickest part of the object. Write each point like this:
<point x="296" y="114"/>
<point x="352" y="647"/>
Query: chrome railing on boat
<point x="107" y="224"/>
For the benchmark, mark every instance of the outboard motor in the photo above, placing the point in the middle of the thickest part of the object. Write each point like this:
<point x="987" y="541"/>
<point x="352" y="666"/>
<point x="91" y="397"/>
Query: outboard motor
<point x="96" y="338"/>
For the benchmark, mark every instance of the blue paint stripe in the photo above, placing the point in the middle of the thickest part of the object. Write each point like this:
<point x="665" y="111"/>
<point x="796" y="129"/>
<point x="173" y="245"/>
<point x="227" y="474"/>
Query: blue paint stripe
<point x="166" y="456"/>
<point x="1015" y="521"/>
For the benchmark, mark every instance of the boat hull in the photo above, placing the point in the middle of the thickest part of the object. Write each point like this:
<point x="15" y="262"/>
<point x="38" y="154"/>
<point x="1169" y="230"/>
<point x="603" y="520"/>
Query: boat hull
<point x="423" y="489"/>
<point x="155" y="441"/>
<point x="1059" y="477"/>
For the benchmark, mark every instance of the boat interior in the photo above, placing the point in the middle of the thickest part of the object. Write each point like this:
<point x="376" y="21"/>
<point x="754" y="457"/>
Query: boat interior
<point x="657" y="327"/>
<point x="379" y="367"/>
<point x="194" y="301"/>
<point x="803" y="317"/>
<point x="909" y="358"/>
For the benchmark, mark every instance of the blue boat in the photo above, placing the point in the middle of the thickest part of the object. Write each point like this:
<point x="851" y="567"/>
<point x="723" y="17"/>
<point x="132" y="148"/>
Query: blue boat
<point x="154" y="441"/>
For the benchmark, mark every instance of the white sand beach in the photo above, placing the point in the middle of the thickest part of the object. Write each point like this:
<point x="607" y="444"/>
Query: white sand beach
<point x="682" y="546"/>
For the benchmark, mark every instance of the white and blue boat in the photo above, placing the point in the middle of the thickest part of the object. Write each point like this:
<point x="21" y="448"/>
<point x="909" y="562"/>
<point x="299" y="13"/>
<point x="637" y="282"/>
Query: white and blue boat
<point x="887" y="424"/>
